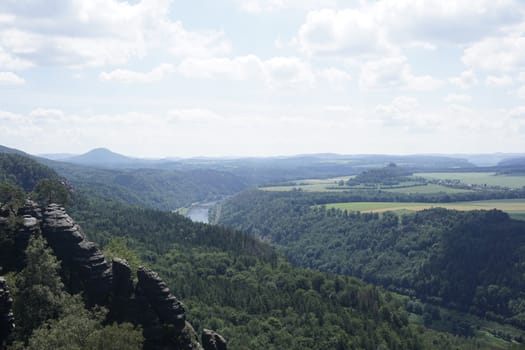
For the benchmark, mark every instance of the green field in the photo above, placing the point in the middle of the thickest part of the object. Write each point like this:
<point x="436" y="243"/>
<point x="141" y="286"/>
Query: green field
<point x="331" y="184"/>
<point x="489" y="179"/>
<point x="426" y="189"/>
<point x="511" y="206"/>
<point x="312" y="185"/>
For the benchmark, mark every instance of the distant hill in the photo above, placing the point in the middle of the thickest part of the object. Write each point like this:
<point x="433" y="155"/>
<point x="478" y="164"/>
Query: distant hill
<point x="101" y="156"/>
<point x="519" y="161"/>
<point x="512" y="166"/>
<point x="490" y="159"/>
<point x="4" y="149"/>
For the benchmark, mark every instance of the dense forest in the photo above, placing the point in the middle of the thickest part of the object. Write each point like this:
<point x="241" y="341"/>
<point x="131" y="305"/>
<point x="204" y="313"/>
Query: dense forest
<point x="23" y="172"/>
<point x="153" y="188"/>
<point x="229" y="281"/>
<point x="472" y="261"/>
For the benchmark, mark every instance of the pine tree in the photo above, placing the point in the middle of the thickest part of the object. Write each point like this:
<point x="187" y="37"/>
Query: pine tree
<point x="40" y="294"/>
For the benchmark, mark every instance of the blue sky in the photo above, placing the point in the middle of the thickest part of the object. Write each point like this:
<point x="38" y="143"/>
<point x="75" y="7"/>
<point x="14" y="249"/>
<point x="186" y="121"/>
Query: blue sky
<point x="157" y="78"/>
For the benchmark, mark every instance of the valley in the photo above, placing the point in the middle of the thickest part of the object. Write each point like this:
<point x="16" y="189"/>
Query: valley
<point x="262" y="175"/>
<point x="427" y="259"/>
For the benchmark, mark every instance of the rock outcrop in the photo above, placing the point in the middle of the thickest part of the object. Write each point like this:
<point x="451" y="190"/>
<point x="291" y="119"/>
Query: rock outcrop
<point x="6" y="313"/>
<point x="151" y="289"/>
<point x="89" y="271"/>
<point x="28" y="227"/>
<point x="212" y="341"/>
<point x="122" y="280"/>
<point x="85" y="269"/>
<point x="31" y="208"/>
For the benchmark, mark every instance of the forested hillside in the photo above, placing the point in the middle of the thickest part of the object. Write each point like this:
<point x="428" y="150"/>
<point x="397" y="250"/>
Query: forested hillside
<point x="472" y="261"/>
<point x="22" y="171"/>
<point x="160" y="189"/>
<point x="228" y="281"/>
<point x="240" y="287"/>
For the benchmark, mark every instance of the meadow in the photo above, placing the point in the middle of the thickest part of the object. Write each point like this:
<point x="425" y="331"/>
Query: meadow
<point x="515" y="207"/>
<point x="331" y="185"/>
<point x="479" y="178"/>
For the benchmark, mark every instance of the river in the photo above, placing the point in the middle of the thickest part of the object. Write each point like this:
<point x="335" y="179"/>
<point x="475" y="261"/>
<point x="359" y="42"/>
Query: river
<point x="199" y="212"/>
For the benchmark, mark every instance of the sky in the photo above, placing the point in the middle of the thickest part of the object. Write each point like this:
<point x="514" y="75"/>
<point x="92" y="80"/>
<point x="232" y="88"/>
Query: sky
<point x="158" y="78"/>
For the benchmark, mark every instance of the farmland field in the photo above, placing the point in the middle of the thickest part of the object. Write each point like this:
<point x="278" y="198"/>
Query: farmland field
<point x="330" y="185"/>
<point x="312" y="185"/>
<point x="490" y="179"/>
<point x="474" y="178"/>
<point x="515" y="207"/>
<point x="426" y="189"/>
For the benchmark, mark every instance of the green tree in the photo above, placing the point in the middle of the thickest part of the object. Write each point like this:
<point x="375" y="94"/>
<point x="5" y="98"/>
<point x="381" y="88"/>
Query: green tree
<point x="11" y="198"/>
<point x="40" y="294"/>
<point x="49" y="191"/>
<point x="81" y="329"/>
<point x="118" y="248"/>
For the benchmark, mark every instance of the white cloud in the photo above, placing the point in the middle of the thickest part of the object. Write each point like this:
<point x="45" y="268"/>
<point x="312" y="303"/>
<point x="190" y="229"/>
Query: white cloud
<point x="394" y="72"/>
<point x="275" y="71"/>
<point x="195" y="115"/>
<point x="289" y="70"/>
<point x="128" y="76"/>
<point x="457" y="98"/>
<point x="258" y="6"/>
<point x="344" y="32"/>
<point x="238" y="68"/>
<point x="437" y="21"/>
<point x="9" y="78"/>
<point x="407" y="113"/>
<point x="403" y="111"/>
<point x="85" y="33"/>
<point x="503" y="53"/>
<point x="498" y="81"/>
<point x="375" y="27"/>
<point x="47" y="113"/>
<point x="465" y="80"/>
<point x="521" y="92"/>
<point x="334" y="76"/>
<point x="7" y="61"/>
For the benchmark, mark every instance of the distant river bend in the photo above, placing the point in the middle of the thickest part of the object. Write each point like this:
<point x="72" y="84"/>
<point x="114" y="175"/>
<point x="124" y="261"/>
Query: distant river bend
<point x="199" y="212"/>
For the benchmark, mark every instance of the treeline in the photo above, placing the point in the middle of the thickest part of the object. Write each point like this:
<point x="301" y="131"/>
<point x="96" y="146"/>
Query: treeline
<point x="388" y="176"/>
<point x="367" y="195"/>
<point x="471" y="261"/>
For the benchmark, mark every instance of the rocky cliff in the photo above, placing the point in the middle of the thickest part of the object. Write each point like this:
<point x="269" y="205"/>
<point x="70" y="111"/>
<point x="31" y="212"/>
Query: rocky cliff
<point x="85" y="269"/>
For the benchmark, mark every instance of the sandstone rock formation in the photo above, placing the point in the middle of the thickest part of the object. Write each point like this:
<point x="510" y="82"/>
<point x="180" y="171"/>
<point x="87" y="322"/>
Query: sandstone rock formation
<point x="31" y="208"/>
<point x="89" y="270"/>
<point x="122" y="279"/>
<point x="151" y="289"/>
<point x="212" y="341"/>
<point x="6" y="313"/>
<point x="85" y="269"/>
<point x="28" y="227"/>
